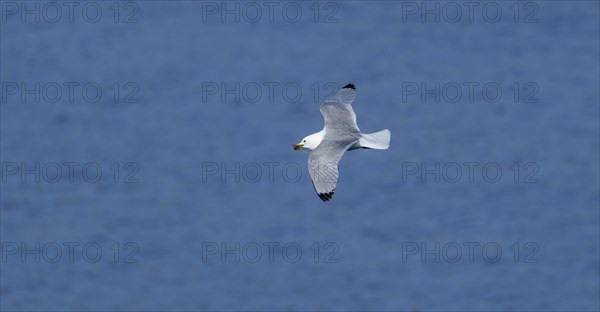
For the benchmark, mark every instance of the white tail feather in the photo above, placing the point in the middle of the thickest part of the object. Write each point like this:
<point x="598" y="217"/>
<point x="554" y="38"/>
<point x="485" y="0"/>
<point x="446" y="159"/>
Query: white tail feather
<point x="378" y="140"/>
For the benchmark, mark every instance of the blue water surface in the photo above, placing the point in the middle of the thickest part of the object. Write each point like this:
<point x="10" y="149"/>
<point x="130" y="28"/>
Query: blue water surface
<point x="203" y="205"/>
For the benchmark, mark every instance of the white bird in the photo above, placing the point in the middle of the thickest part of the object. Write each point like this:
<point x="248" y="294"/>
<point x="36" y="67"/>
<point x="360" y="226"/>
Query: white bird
<point x="339" y="134"/>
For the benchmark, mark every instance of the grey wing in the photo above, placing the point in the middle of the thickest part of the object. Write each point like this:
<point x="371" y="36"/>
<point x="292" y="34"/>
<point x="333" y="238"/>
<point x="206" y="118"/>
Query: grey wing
<point x="323" y="166"/>
<point x="337" y="110"/>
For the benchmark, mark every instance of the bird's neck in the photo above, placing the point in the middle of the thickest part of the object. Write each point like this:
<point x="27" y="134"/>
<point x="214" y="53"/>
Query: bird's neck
<point x="319" y="135"/>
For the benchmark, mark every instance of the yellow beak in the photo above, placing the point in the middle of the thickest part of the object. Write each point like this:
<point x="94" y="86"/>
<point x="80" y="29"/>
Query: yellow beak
<point x="298" y="146"/>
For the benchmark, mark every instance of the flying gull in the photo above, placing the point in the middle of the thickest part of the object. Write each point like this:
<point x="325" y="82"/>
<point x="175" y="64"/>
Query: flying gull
<point x="339" y="135"/>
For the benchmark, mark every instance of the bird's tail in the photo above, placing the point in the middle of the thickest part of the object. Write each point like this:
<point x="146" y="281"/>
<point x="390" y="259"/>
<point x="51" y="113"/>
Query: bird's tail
<point x="378" y="140"/>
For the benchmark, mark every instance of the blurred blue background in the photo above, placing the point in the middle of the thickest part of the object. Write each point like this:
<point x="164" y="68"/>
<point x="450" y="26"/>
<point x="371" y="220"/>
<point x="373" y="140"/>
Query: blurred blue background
<point x="176" y="129"/>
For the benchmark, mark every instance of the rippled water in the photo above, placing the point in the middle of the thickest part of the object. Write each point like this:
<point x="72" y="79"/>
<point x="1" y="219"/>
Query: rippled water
<point x="175" y="141"/>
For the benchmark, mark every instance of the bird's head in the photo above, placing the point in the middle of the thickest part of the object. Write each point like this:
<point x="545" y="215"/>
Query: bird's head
<point x="310" y="142"/>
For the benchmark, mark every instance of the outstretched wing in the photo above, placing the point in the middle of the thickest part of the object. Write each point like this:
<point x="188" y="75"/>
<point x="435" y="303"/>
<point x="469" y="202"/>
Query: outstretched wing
<point x="337" y="110"/>
<point x="323" y="165"/>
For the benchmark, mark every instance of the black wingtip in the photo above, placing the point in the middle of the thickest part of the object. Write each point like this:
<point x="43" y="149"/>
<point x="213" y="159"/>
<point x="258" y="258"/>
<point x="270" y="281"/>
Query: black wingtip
<point x="326" y="196"/>
<point x="350" y="86"/>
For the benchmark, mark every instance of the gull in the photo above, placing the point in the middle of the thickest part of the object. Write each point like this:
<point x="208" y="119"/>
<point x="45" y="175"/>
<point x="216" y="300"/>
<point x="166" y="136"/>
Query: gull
<point x="340" y="134"/>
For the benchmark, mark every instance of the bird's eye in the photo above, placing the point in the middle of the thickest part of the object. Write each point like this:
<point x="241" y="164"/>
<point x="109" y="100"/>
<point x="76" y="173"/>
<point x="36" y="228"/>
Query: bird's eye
<point x="304" y="141"/>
